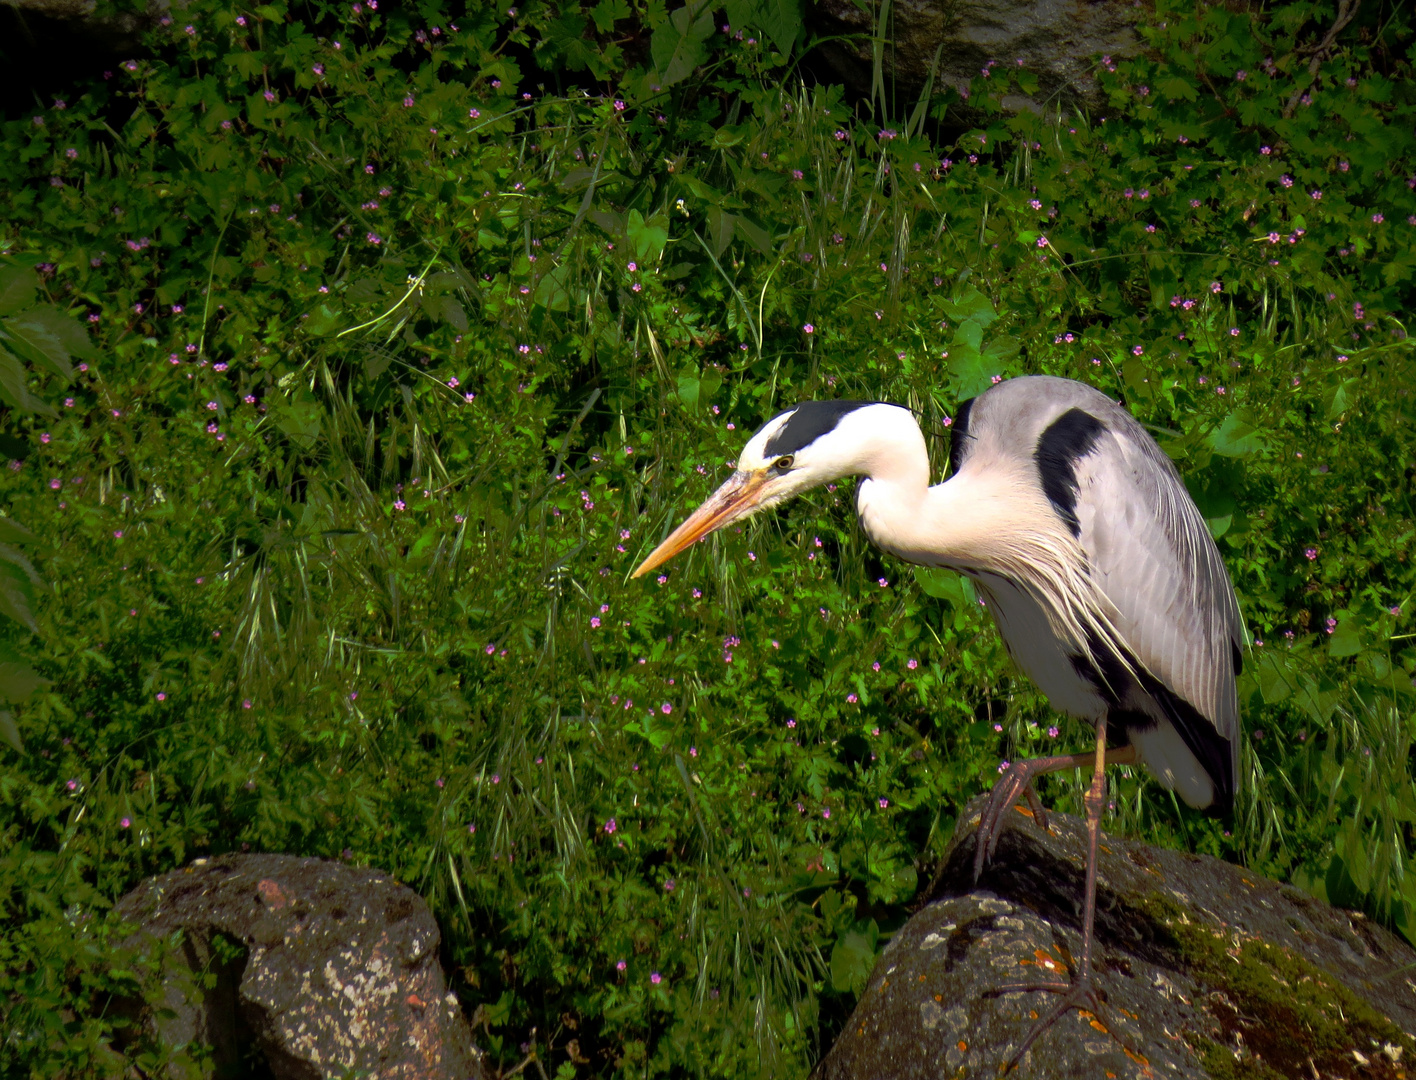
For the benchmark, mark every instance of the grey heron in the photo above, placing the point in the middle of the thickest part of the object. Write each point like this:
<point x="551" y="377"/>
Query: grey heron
<point x="1079" y="535"/>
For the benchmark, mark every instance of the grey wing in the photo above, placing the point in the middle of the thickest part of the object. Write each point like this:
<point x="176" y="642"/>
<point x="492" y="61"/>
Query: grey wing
<point x="1151" y="554"/>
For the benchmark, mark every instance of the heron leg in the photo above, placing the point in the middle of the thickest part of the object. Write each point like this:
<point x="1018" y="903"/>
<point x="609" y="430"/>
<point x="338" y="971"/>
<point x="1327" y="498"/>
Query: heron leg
<point x="1081" y="992"/>
<point x="1016" y="783"/>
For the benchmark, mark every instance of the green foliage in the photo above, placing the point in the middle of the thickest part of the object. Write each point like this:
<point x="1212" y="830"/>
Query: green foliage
<point x="400" y="371"/>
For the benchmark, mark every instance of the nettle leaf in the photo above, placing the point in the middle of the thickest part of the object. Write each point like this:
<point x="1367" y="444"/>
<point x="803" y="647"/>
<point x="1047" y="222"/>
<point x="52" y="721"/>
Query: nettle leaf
<point x="688" y="387"/>
<point x="781" y="19"/>
<point x="12" y="532"/>
<point x="325" y="319"/>
<point x="17" y="289"/>
<point x="300" y="420"/>
<point x="1341" y="399"/>
<point x="607" y="12"/>
<point x="677" y="45"/>
<point x="971" y="305"/>
<point x="1237" y="436"/>
<point x="551" y="293"/>
<point x="14" y="387"/>
<point x="17" y="595"/>
<point x="10" y="732"/>
<point x="853" y="957"/>
<point x="1346" y="639"/>
<point x="29" y="335"/>
<point x="647" y="237"/>
<point x="720" y="229"/>
<point x="946" y="585"/>
<point x="753" y="233"/>
<point x="19" y="681"/>
<point x="1177" y="89"/>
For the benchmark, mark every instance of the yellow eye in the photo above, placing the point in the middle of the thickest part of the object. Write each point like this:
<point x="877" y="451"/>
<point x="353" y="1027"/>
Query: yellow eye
<point x="783" y="463"/>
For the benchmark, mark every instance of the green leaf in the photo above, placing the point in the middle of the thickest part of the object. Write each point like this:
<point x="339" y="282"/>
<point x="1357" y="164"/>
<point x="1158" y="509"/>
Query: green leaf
<point x="300" y="421"/>
<point x="677" y="45"/>
<point x="1275" y="681"/>
<point x="10" y="732"/>
<point x="720" y="230"/>
<point x="12" y="532"/>
<point x="971" y="305"/>
<point x="1002" y="349"/>
<point x="27" y="336"/>
<point x="375" y="364"/>
<point x="59" y="337"/>
<point x="647" y="237"/>
<point x="607" y="12"/>
<point x="646" y="729"/>
<point x="14" y="387"/>
<point x="972" y="370"/>
<point x="729" y="135"/>
<point x="551" y="291"/>
<point x="17" y="288"/>
<point x="688" y="390"/>
<point x="781" y="19"/>
<point x="17" y="596"/>
<point x="1177" y="89"/>
<point x="1236" y="437"/>
<point x="946" y="585"/>
<point x="1346" y="640"/>
<point x="1341" y="400"/>
<point x="19" y="681"/>
<point x="754" y="234"/>
<point x="853" y="957"/>
<point x="324" y="320"/>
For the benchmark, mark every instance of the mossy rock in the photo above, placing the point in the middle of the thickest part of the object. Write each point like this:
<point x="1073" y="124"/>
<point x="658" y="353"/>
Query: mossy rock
<point x="1208" y="970"/>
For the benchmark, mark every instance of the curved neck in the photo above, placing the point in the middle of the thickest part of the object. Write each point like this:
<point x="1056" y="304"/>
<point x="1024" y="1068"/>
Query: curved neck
<point x="962" y="523"/>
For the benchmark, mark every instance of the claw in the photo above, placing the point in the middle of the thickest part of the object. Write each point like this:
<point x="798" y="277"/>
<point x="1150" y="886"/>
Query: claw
<point x="1035" y="805"/>
<point x="1015" y="783"/>
<point x="1080" y="995"/>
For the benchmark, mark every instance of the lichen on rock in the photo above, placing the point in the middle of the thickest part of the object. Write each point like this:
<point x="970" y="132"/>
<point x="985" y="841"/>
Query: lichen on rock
<point x="1208" y="970"/>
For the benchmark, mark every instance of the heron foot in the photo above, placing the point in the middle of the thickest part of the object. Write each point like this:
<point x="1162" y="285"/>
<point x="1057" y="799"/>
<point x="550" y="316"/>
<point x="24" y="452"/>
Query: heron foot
<point x="1081" y="995"/>
<point x="1014" y="784"/>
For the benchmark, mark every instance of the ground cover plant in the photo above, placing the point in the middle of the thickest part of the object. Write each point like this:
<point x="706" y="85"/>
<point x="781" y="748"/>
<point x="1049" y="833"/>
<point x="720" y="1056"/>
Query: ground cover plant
<point x="407" y="331"/>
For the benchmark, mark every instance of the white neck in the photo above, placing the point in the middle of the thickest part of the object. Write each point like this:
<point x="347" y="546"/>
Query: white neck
<point x="961" y="523"/>
<point x="990" y="517"/>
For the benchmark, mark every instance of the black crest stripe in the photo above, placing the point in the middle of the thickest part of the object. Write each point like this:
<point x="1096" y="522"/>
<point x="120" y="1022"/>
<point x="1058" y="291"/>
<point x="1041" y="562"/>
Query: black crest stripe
<point x="807" y="423"/>
<point x="1068" y="439"/>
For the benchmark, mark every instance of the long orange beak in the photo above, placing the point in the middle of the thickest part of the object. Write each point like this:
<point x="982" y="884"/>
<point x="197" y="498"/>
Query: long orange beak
<point x="737" y="498"/>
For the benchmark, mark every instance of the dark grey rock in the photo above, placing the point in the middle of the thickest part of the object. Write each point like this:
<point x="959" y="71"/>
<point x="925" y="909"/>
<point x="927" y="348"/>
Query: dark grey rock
<point x="327" y="968"/>
<point x="1208" y="969"/>
<point x="1058" y="40"/>
<point x="54" y="25"/>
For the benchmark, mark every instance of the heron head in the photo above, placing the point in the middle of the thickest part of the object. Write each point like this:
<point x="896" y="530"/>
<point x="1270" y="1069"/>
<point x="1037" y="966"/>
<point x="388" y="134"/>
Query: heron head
<point x="797" y="450"/>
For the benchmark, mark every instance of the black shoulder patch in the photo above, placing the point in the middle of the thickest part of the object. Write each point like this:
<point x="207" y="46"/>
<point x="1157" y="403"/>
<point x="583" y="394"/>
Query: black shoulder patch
<point x="959" y="437"/>
<point x="807" y="423"/>
<point x="1068" y="439"/>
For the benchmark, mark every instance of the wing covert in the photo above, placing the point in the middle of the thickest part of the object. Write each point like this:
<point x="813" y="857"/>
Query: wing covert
<point x="1151" y="555"/>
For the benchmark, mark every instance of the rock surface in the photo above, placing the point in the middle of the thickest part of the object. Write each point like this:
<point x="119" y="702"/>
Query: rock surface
<point x="1058" y="40"/>
<point x="1208" y="970"/>
<point x="59" y="24"/>
<point x="340" y="970"/>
